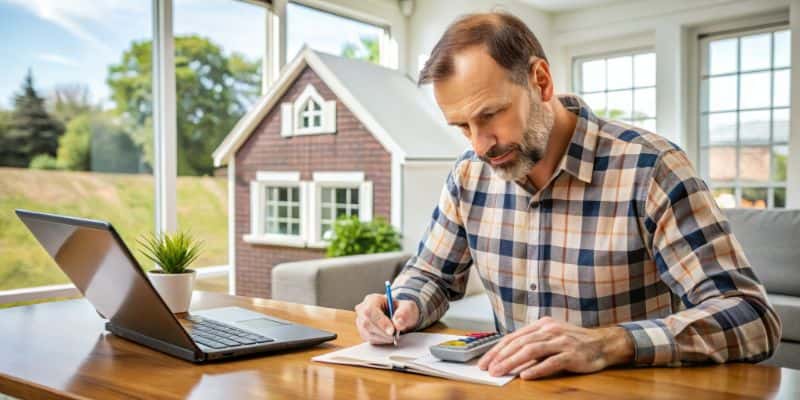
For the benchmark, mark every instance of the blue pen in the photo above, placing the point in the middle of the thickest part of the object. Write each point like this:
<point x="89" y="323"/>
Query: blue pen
<point x="396" y="335"/>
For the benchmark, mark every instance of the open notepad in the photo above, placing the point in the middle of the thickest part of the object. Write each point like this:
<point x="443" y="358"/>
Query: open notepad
<point x="412" y="355"/>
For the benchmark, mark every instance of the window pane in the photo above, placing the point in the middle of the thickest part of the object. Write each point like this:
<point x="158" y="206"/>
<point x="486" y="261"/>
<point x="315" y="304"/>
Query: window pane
<point x="620" y="104"/>
<point x="283" y="194"/>
<point x="644" y="103"/>
<point x="340" y="211"/>
<point x="644" y="72"/>
<point x="620" y="72"/>
<point x="779" y="198"/>
<point x="295" y="192"/>
<point x="593" y="76"/>
<point x="781" y="87"/>
<point x="754" y="198"/>
<point x="597" y="102"/>
<point x="295" y="212"/>
<point x="782" y="49"/>
<point x="754" y="164"/>
<point x="295" y="229"/>
<point x="756" y="52"/>
<point x="330" y="33"/>
<point x="722" y="128"/>
<point x="720" y="163"/>
<point x="722" y="93"/>
<point x="354" y="196"/>
<point x="341" y="196"/>
<point x="272" y="227"/>
<point x="754" y="90"/>
<point x="780" y="125"/>
<point x="723" y="55"/>
<point x="725" y="197"/>
<point x="754" y="126"/>
<point x="326" y="195"/>
<point x="781" y="157"/>
<point x="282" y="211"/>
<point x="317" y="121"/>
<point x="326" y="213"/>
<point x="283" y="228"/>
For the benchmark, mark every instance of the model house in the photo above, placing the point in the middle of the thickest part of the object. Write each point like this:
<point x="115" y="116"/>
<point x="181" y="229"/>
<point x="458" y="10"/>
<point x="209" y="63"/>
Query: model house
<point x="332" y="137"/>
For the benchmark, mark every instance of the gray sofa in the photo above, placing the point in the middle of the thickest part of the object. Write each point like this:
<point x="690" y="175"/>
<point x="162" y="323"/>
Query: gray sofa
<point x="771" y="240"/>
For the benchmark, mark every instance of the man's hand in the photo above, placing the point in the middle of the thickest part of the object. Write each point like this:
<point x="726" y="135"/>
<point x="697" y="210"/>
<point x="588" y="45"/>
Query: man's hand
<point x="547" y="347"/>
<point x="373" y="324"/>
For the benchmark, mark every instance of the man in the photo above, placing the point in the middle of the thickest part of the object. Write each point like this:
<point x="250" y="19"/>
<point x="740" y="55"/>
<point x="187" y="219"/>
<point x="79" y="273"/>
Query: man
<point x="597" y="242"/>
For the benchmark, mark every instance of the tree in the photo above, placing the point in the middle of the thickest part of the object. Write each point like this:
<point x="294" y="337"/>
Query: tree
<point x="31" y="130"/>
<point x="368" y="50"/>
<point x="74" y="146"/>
<point x="213" y="92"/>
<point x="68" y="101"/>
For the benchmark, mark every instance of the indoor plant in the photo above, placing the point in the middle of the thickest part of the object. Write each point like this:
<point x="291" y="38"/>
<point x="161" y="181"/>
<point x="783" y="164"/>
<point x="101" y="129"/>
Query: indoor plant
<point x="173" y="280"/>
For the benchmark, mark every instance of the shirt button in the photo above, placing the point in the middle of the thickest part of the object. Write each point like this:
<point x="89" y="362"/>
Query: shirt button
<point x="533" y="286"/>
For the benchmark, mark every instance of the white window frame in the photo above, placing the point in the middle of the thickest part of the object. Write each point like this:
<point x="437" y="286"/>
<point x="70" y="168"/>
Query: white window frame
<point x="258" y="203"/>
<point x="335" y="180"/>
<point x="292" y="114"/>
<point x="702" y="142"/>
<point x="577" y="83"/>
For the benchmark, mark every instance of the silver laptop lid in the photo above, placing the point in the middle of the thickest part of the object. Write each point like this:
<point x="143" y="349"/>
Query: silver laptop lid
<point x="95" y="258"/>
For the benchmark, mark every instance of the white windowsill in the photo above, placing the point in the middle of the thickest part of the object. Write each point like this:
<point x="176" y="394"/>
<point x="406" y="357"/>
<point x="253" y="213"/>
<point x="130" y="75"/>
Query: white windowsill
<point x="275" y="240"/>
<point x="318" y="245"/>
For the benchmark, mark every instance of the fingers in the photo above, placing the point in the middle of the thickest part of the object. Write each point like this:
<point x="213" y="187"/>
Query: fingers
<point x="406" y="315"/>
<point x="550" y="366"/>
<point x="373" y="325"/>
<point x="535" y="350"/>
<point x="490" y="356"/>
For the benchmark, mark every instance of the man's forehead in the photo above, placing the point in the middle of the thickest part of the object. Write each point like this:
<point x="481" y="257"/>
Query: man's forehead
<point x="476" y="80"/>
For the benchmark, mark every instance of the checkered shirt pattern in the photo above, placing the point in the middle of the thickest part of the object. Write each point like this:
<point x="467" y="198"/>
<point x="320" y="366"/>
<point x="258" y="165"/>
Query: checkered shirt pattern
<point x="625" y="233"/>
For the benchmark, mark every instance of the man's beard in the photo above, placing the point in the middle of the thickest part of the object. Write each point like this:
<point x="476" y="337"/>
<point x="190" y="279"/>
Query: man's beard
<point x="534" y="142"/>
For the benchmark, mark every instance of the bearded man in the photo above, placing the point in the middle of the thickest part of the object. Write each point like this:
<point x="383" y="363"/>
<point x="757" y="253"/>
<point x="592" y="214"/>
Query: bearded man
<point x="597" y="242"/>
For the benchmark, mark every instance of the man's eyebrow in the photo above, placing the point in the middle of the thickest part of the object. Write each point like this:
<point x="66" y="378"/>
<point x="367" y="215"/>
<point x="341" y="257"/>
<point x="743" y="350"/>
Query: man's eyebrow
<point x="490" y="108"/>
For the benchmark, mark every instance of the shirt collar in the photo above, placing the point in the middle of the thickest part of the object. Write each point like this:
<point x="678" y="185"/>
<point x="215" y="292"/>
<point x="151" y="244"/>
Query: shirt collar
<point x="579" y="157"/>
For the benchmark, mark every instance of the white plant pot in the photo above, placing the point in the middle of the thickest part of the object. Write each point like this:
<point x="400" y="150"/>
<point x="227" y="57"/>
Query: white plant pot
<point x="175" y="289"/>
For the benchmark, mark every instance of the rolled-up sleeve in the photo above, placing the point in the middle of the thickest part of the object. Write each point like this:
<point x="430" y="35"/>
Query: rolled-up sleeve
<point x="438" y="272"/>
<point x="725" y="314"/>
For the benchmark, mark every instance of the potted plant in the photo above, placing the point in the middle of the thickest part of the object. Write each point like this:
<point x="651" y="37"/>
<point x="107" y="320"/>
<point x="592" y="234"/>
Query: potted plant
<point x="173" y="280"/>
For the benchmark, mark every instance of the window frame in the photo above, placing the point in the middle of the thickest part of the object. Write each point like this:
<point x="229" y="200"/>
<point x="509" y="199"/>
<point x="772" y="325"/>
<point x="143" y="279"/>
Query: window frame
<point x="258" y="204"/>
<point x="702" y="140"/>
<point x="337" y="180"/>
<point x="292" y="114"/>
<point x="577" y="79"/>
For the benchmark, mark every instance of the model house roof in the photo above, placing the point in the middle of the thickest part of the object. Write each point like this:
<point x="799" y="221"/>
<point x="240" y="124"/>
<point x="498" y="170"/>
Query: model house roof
<point x="401" y="116"/>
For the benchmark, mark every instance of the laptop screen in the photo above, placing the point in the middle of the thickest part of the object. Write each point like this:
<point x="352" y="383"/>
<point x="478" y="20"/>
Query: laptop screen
<point x="93" y="256"/>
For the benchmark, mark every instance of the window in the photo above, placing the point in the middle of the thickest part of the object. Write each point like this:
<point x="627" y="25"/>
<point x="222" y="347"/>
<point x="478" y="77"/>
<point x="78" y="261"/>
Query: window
<point x="282" y="210"/>
<point x="620" y="87"/>
<point x="331" y="34"/>
<point x="744" y="117"/>
<point x="335" y="203"/>
<point x="277" y="209"/>
<point x="310" y="114"/>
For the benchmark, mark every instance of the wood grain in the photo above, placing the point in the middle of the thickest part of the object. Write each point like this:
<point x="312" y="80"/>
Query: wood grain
<point x="60" y="350"/>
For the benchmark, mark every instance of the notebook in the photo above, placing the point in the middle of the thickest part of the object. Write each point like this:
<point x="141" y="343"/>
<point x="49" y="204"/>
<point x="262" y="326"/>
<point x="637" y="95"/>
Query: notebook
<point x="412" y="355"/>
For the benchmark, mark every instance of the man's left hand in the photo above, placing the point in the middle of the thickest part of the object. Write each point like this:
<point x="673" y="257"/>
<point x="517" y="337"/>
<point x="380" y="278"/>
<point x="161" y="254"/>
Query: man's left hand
<point x="547" y="347"/>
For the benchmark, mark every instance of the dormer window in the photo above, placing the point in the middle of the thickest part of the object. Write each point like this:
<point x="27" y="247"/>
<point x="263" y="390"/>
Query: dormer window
<point x="309" y="114"/>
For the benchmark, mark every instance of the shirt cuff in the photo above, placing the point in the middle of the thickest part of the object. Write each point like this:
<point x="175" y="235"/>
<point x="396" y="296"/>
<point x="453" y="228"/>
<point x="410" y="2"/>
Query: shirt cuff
<point x="653" y="343"/>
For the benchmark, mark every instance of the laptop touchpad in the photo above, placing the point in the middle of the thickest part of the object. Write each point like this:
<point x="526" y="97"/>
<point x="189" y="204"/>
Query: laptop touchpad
<point x="260" y="323"/>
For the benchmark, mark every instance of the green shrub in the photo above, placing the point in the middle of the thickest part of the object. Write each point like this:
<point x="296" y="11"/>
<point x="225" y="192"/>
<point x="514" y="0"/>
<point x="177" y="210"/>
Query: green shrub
<point x="43" y="161"/>
<point x="352" y="236"/>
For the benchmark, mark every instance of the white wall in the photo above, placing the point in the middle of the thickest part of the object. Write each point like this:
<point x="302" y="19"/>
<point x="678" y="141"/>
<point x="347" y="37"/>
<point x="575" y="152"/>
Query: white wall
<point x="422" y="185"/>
<point x="431" y="18"/>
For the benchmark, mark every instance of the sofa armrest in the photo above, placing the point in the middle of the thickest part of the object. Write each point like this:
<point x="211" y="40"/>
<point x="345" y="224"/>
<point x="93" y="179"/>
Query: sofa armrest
<point x="339" y="282"/>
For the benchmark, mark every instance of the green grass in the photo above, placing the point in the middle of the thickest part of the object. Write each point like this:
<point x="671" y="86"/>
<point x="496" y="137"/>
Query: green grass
<point x="125" y="200"/>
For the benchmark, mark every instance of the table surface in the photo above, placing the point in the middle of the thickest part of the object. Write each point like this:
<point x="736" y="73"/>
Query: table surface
<point x="60" y="350"/>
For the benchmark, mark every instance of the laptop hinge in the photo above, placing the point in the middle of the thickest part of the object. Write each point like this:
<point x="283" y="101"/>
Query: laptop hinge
<point x="156" y="344"/>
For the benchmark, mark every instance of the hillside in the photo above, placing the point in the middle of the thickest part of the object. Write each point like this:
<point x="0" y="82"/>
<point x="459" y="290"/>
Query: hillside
<point x="123" y="199"/>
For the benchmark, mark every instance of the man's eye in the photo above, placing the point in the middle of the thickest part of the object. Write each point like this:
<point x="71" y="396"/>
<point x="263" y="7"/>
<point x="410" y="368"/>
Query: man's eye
<point x="486" y="116"/>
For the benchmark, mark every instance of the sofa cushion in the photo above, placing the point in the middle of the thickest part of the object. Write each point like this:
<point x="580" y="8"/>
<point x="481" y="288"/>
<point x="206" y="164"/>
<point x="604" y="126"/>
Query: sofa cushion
<point x="771" y="241"/>
<point x="471" y="313"/>
<point x="788" y="309"/>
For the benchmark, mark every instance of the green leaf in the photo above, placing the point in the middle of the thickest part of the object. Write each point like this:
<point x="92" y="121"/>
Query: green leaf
<point x="173" y="253"/>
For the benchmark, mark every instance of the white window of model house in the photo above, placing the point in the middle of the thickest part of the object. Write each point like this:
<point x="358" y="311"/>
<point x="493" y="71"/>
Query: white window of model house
<point x="277" y="209"/>
<point x="338" y="194"/>
<point x="309" y="114"/>
<point x="619" y="86"/>
<point x="744" y="116"/>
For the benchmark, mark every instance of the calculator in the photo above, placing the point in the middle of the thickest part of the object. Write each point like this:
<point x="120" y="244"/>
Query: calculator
<point x="466" y="348"/>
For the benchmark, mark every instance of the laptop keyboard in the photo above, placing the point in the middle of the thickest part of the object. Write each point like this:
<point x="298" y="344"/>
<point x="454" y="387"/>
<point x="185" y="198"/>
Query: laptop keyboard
<point x="217" y="335"/>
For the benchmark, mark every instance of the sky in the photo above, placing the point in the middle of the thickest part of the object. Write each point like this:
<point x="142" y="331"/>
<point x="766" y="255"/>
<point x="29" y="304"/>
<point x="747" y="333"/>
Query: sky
<point x="65" y="42"/>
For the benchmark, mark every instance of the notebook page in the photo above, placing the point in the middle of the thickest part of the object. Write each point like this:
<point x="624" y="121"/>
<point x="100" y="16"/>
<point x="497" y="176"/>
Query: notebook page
<point x="411" y="346"/>
<point x="460" y="371"/>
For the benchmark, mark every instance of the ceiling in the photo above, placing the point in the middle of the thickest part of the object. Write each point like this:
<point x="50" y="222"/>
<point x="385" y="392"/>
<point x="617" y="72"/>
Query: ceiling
<point x="567" y="5"/>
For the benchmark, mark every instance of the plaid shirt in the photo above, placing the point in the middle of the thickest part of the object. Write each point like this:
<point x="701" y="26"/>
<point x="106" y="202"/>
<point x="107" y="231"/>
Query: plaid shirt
<point x="624" y="233"/>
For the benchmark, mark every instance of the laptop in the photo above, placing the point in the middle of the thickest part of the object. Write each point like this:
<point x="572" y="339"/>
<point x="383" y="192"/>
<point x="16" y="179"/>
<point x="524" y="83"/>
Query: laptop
<point x="101" y="266"/>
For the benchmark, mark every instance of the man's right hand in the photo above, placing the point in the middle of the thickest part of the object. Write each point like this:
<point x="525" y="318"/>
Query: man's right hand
<point x="373" y="323"/>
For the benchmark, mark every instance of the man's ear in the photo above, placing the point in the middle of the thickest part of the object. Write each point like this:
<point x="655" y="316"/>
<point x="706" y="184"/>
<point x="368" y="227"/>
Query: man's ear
<point x="539" y="76"/>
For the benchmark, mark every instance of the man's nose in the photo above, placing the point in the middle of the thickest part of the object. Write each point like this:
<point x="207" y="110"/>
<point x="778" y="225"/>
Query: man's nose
<point x="482" y="141"/>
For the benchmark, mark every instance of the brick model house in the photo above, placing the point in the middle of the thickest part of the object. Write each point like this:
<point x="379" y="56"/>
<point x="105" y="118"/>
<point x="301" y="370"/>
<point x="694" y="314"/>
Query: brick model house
<point x="332" y="136"/>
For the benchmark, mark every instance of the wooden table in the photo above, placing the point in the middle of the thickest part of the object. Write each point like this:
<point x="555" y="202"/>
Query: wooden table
<point x="60" y="350"/>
